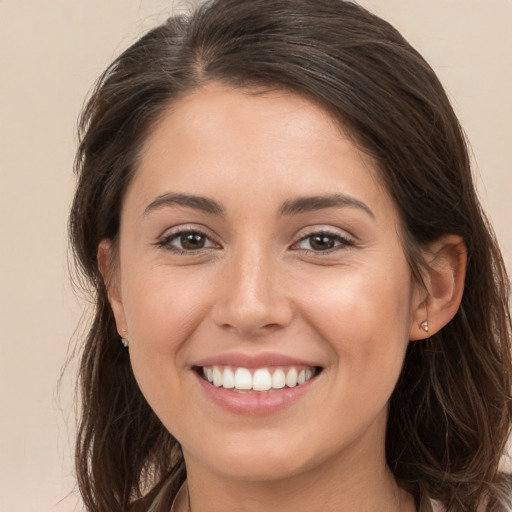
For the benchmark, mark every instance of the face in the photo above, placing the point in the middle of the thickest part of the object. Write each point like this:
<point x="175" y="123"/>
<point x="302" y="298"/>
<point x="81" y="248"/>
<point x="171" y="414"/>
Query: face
<point x="262" y="282"/>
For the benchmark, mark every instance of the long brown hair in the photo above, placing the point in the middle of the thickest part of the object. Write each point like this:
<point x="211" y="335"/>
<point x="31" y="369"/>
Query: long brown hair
<point x="451" y="412"/>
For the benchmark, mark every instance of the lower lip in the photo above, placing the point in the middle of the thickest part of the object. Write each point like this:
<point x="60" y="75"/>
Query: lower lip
<point x="257" y="403"/>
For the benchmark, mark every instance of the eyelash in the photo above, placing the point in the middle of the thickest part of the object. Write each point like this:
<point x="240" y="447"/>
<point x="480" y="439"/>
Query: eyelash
<point x="166" y="241"/>
<point x="341" y="241"/>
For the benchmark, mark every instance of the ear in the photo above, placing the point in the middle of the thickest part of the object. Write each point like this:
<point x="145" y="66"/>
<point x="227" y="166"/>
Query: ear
<point x="110" y="273"/>
<point x="439" y="299"/>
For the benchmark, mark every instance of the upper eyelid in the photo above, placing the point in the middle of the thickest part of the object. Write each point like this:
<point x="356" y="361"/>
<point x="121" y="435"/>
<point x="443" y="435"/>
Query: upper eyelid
<point x="186" y="228"/>
<point x="327" y="230"/>
<point x="344" y="240"/>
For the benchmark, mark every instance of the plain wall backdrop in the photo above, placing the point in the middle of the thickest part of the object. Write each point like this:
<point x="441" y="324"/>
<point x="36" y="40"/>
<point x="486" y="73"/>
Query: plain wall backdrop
<point x="51" y="51"/>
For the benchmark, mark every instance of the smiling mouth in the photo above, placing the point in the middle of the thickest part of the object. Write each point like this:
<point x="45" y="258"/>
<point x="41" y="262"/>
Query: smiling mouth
<point x="245" y="380"/>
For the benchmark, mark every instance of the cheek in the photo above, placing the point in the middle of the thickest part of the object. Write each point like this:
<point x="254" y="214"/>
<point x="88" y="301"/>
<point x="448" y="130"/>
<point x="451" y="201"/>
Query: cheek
<point x="163" y="311"/>
<point x="362" y="300"/>
<point x="364" y="319"/>
<point x="163" y="306"/>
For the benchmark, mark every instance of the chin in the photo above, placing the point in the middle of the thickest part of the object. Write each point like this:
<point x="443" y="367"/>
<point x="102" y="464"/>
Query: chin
<point x="260" y="468"/>
<point x="257" y="458"/>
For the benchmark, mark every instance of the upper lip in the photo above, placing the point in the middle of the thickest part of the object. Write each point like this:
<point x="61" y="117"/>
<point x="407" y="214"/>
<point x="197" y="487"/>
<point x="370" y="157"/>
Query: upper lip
<point x="258" y="360"/>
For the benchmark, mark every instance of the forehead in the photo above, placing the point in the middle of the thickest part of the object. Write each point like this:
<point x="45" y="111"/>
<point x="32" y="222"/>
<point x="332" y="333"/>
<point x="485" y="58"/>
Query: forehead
<point x="216" y="113"/>
<point x="252" y="141"/>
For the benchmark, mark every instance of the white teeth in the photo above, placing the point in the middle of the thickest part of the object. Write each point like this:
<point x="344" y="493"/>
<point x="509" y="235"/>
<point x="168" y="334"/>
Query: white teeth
<point x="243" y="379"/>
<point x="217" y="377"/>
<point x="260" y="379"/>
<point x="278" y="379"/>
<point x="291" y="378"/>
<point x="229" y="379"/>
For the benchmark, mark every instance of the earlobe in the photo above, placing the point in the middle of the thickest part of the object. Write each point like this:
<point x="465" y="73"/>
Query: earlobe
<point x="444" y="275"/>
<point x="111" y="278"/>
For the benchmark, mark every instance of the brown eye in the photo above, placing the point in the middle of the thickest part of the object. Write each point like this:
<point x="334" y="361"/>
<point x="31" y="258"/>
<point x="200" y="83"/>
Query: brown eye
<point x="323" y="242"/>
<point x="192" y="241"/>
<point x="188" y="241"/>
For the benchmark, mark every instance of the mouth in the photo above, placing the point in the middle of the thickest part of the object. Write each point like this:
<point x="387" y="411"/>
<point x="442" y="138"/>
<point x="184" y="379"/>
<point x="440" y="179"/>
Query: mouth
<point x="257" y="380"/>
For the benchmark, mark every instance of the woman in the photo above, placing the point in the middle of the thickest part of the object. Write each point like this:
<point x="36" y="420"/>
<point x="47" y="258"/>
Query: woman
<point x="299" y="302"/>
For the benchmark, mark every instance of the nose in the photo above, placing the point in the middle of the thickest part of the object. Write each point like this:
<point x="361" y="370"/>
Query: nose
<point x="252" y="298"/>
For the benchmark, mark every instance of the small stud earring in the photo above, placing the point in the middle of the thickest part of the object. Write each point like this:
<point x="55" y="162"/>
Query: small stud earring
<point x="424" y="325"/>
<point x="125" y="341"/>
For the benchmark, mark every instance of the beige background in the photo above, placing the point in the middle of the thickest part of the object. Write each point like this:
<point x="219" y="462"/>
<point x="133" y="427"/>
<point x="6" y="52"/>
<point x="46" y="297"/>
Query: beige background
<point x="50" y="53"/>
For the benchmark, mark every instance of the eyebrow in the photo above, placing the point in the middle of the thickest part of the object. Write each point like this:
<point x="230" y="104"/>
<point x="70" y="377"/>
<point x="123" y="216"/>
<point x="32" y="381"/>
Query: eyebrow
<point x="293" y="207"/>
<point x="191" y="201"/>
<point x="308" y="204"/>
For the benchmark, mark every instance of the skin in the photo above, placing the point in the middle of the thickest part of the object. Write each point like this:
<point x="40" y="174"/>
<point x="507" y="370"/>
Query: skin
<point x="260" y="284"/>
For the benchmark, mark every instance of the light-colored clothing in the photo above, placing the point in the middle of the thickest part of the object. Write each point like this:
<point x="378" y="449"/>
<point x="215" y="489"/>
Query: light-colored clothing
<point x="437" y="507"/>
